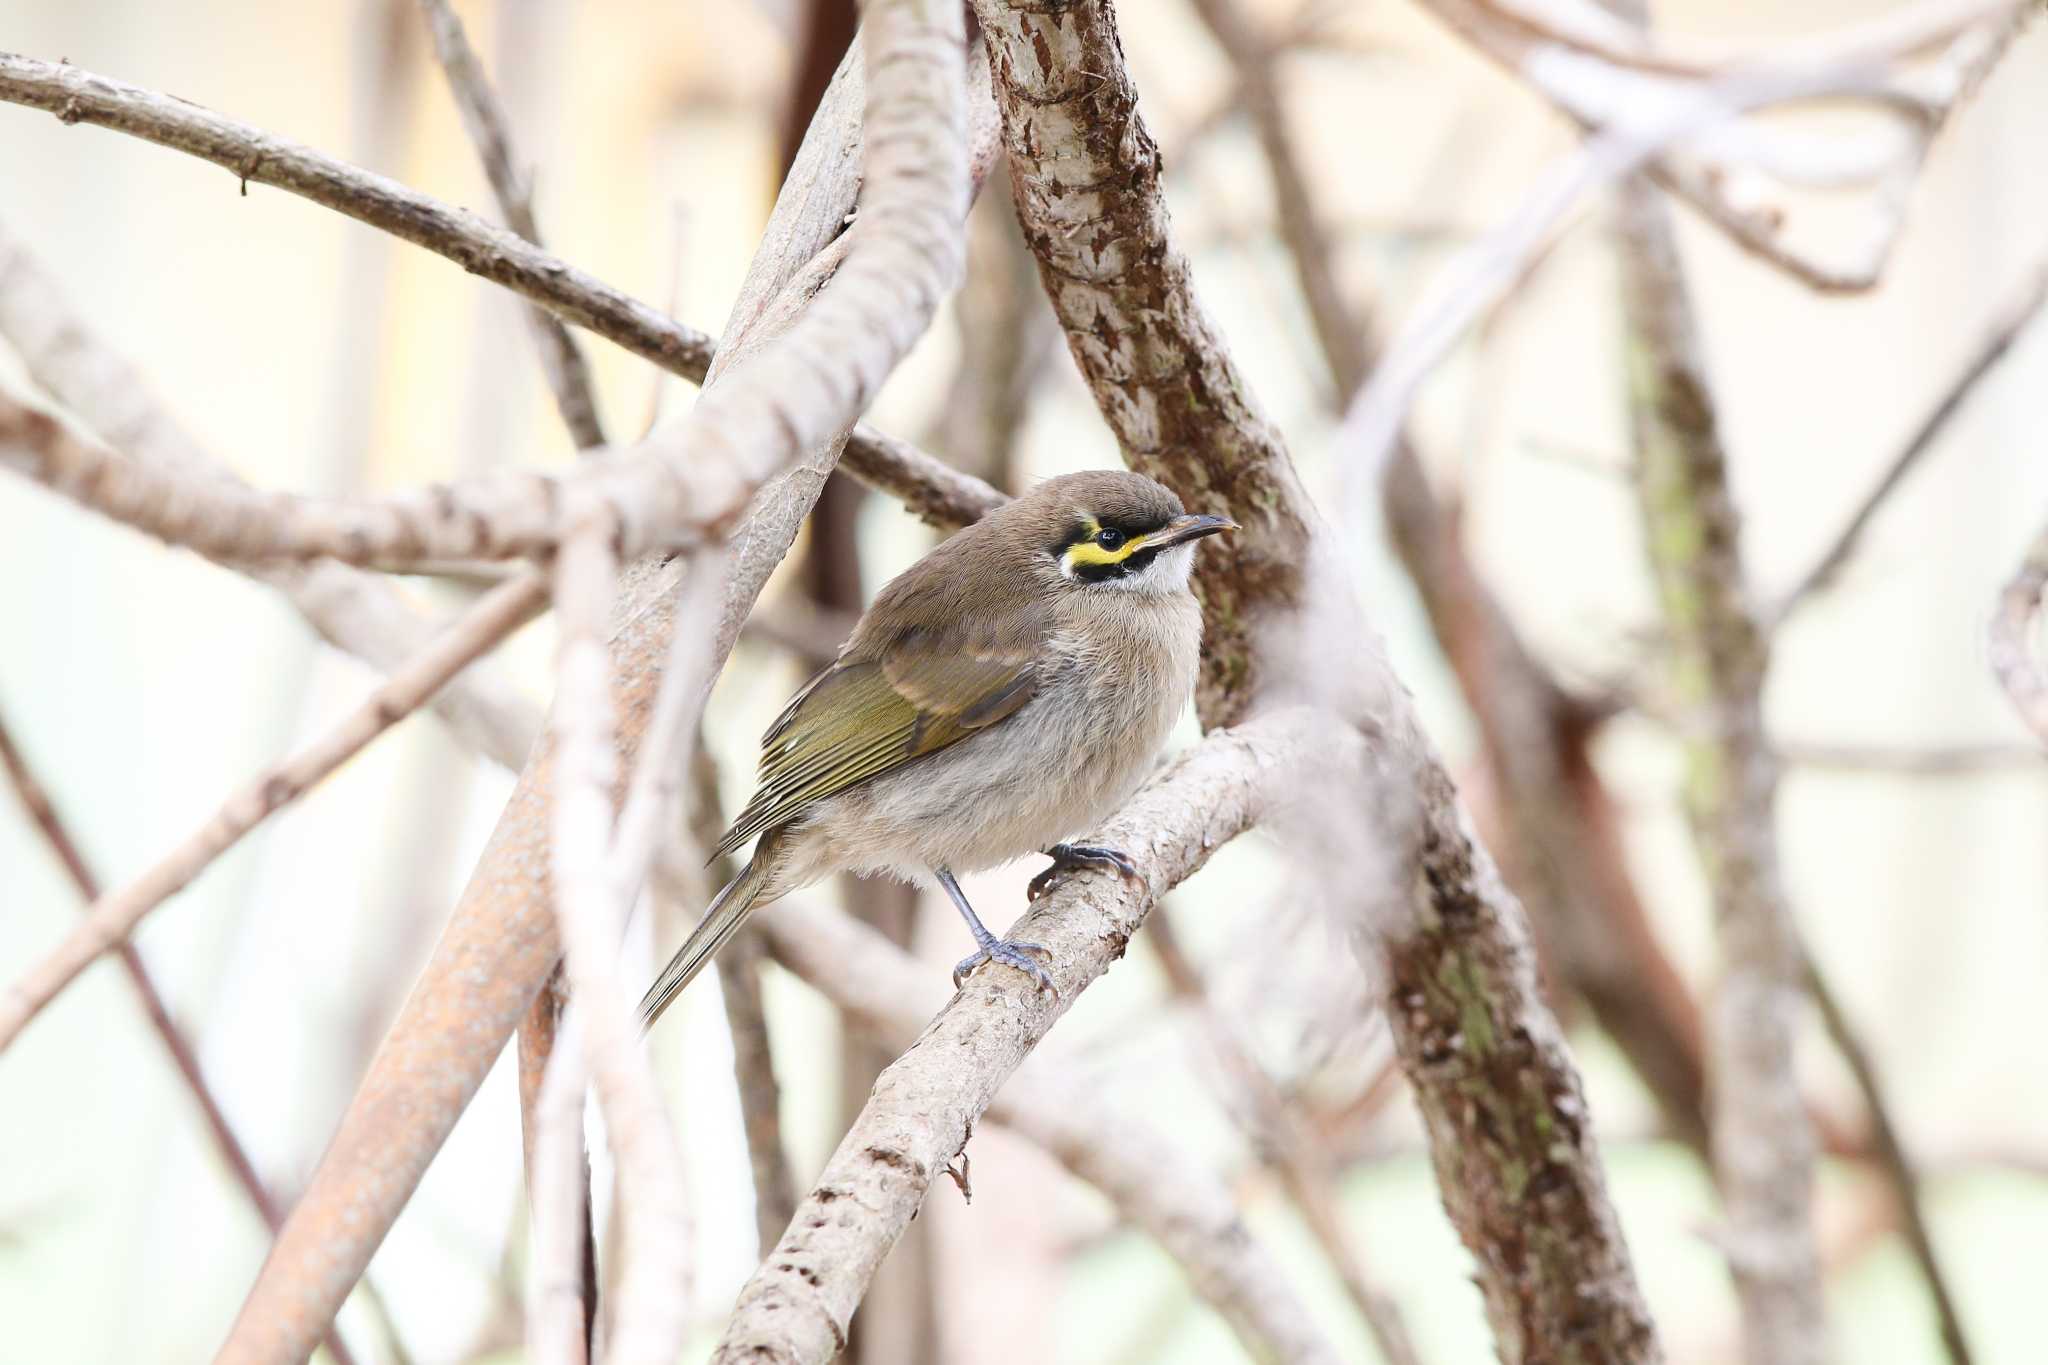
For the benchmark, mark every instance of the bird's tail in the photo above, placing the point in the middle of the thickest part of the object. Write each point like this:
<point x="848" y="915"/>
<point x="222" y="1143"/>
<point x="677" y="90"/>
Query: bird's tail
<point x="728" y="910"/>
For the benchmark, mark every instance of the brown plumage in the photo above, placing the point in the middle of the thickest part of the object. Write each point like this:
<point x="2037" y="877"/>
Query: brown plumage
<point x="1006" y="691"/>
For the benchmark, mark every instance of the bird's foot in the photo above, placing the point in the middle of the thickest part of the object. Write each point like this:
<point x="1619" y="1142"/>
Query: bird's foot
<point x="1023" y="956"/>
<point x="1071" y="857"/>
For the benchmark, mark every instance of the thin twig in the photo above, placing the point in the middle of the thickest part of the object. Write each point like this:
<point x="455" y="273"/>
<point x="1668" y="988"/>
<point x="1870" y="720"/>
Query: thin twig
<point x="2014" y="628"/>
<point x="114" y="916"/>
<point x="35" y="798"/>
<point x="561" y="359"/>
<point x="1305" y="1169"/>
<point x="2023" y="306"/>
<point x="1892" y="1159"/>
<point x="929" y="486"/>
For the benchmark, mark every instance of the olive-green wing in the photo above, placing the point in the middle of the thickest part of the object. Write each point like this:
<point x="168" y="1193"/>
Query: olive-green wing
<point x="861" y="718"/>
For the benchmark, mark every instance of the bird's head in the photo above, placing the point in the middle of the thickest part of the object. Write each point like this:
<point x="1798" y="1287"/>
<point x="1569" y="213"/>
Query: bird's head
<point x="1112" y="530"/>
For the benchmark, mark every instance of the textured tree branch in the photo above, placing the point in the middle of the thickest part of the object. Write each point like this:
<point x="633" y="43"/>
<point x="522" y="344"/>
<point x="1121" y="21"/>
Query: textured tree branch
<point x="797" y="1305"/>
<point x="1762" y="1143"/>
<point x="1561" y="849"/>
<point x="35" y="798"/>
<point x="2014" y="629"/>
<point x="114" y="916"/>
<point x="1150" y="1179"/>
<point x="1515" y="1157"/>
<point x="561" y="359"/>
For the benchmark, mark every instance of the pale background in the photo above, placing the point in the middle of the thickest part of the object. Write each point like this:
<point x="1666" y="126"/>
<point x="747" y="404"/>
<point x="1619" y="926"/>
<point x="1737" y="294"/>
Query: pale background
<point x="311" y="353"/>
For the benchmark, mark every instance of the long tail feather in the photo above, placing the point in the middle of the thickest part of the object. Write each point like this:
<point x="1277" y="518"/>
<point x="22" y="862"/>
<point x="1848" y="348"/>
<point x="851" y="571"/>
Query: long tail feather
<point x="721" y="921"/>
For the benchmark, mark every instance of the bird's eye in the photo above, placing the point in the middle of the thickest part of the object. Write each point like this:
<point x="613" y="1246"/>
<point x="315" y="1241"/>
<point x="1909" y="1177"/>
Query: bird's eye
<point x="1109" y="537"/>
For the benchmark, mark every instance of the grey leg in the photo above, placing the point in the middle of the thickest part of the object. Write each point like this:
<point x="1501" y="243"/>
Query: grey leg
<point x="989" y="948"/>
<point x="1073" y="857"/>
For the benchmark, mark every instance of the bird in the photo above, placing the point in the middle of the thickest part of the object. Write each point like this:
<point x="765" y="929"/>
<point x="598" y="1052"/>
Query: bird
<point x="1001" y="695"/>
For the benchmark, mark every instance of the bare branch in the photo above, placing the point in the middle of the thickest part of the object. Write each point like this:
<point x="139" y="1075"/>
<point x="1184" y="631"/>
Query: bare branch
<point x="2020" y="309"/>
<point x="1892" y="1159"/>
<point x="541" y="1033"/>
<point x="2013" y="630"/>
<point x="1288" y="1143"/>
<point x="499" y="946"/>
<point x="492" y="253"/>
<point x="1588" y="66"/>
<point x="561" y="359"/>
<point x="356" y="612"/>
<point x="114" y="916"/>
<point x="1503" y="1103"/>
<point x="1148" y="1177"/>
<point x="184" y="1057"/>
<point x="1762" y="1143"/>
<point x="796" y="1306"/>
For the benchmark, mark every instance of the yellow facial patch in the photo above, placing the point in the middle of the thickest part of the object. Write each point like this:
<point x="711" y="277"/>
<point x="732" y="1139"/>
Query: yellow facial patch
<point x="1087" y="552"/>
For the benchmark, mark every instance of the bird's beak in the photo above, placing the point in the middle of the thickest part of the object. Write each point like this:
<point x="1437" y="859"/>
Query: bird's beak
<point x="1183" y="529"/>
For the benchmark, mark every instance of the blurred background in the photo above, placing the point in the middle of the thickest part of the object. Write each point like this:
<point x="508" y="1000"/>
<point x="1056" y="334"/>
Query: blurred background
<point x="311" y="353"/>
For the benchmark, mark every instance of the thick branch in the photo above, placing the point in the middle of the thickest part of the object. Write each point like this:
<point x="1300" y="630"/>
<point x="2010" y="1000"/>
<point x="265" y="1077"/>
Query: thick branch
<point x="1515" y="1156"/>
<point x="1762" y="1143"/>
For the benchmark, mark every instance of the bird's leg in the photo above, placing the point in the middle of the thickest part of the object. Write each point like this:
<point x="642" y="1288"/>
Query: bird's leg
<point x="1070" y="857"/>
<point x="989" y="948"/>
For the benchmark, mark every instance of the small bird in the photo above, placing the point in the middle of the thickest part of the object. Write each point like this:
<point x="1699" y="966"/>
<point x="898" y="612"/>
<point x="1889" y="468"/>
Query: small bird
<point x="1003" y="693"/>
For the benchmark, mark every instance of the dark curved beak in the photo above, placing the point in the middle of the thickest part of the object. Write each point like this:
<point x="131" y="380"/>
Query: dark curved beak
<point x="1183" y="529"/>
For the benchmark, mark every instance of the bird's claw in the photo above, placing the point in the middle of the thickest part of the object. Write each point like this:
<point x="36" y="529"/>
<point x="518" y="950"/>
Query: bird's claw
<point x="1069" y="857"/>
<point x="1023" y="956"/>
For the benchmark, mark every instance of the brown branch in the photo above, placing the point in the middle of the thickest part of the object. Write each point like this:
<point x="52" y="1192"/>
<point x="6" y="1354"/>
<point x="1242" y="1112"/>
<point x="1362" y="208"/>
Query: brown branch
<point x="114" y="916"/>
<point x="561" y="359"/>
<point x="1762" y="1143"/>
<point x="35" y="798"/>
<point x="2014" y="629"/>
<point x="499" y="946"/>
<point x="1892" y="1159"/>
<point x="1306" y="1171"/>
<point x="931" y="488"/>
<point x="1563" y="856"/>
<point x="1515" y="1157"/>
<point x="1149" y="1178"/>
<point x="797" y="1305"/>
<point x="2013" y="316"/>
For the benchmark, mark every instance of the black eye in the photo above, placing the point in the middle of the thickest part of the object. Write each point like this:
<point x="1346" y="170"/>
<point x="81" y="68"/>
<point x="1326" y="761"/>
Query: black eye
<point x="1109" y="537"/>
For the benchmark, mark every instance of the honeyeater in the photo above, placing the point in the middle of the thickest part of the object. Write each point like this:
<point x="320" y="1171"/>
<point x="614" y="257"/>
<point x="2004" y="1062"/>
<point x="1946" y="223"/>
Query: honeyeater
<point x="1003" y="694"/>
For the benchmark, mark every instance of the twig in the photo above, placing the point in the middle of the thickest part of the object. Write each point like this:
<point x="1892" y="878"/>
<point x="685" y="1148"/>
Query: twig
<point x="1763" y="1145"/>
<point x="35" y="798"/>
<point x="561" y="359"/>
<point x="114" y="916"/>
<point x="356" y="612"/>
<point x="796" y="1306"/>
<point x="2012" y="318"/>
<point x="2013" y="628"/>
<point x="1487" y="269"/>
<point x="1599" y="87"/>
<point x="1289" y="1144"/>
<point x="1146" y="1175"/>
<point x="541" y="1033"/>
<point x="928" y="485"/>
<point x="1892" y="1159"/>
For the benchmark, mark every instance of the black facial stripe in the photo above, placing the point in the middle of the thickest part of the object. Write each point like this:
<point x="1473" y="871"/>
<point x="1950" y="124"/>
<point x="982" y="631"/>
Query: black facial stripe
<point x="1123" y="568"/>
